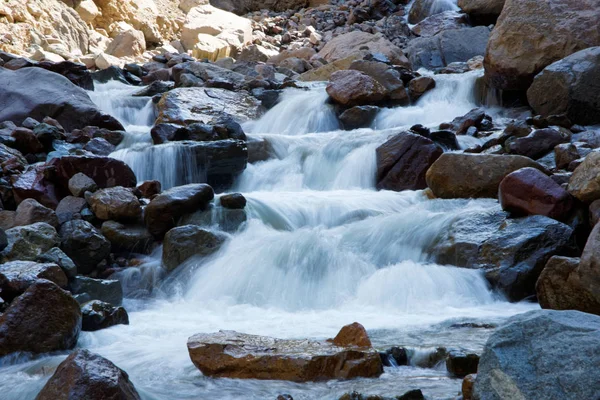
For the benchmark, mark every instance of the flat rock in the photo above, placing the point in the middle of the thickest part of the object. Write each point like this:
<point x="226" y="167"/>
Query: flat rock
<point x="17" y="276"/>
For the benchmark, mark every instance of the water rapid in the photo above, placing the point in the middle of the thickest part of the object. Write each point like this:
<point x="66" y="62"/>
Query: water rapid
<point x="321" y="248"/>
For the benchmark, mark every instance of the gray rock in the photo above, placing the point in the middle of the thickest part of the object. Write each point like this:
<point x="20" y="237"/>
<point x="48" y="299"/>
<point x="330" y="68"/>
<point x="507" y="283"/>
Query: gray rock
<point x="70" y="208"/>
<point x="541" y="355"/>
<point x="81" y="183"/>
<point x="30" y="212"/>
<point x="187" y="241"/>
<point x="29" y="242"/>
<point x="84" y="244"/>
<point x="128" y="238"/>
<point x="17" y="276"/>
<point x="98" y="315"/>
<point x="58" y="257"/>
<point x="106" y="290"/>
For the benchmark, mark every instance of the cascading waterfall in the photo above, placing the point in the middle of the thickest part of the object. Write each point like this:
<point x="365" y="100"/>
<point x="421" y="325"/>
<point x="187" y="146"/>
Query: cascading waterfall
<point x="321" y="248"/>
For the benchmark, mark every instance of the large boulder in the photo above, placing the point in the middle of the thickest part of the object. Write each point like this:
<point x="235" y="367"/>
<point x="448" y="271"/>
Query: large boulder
<point x="184" y="242"/>
<point x="354" y="88"/>
<point x="85" y="375"/>
<point x="541" y="355"/>
<point x="43" y="319"/>
<point x="528" y="191"/>
<point x="129" y="43"/>
<point x="229" y="354"/>
<point x="17" y="276"/>
<point x="37" y="93"/>
<point x="456" y="175"/>
<point x="29" y="242"/>
<point x="511" y="252"/>
<point x="566" y="87"/>
<point x="448" y="46"/>
<point x="585" y="181"/>
<point x="403" y="161"/>
<point x="354" y="42"/>
<point x="104" y="171"/>
<point x="184" y="106"/>
<point x="116" y="203"/>
<point x="537" y="144"/>
<point x="84" y="244"/>
<point x="165" y="209"/>
<point x="241" y="7"/>
<point x="532" y="34"/>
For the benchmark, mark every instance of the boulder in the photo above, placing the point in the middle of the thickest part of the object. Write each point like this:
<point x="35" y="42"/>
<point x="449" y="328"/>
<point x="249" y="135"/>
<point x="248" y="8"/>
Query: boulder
<point x="461" y="364"/>
<point x="58" y="257"/>
<point x="532" y="34"/>
<point x="419" y="86"/>
<point x="455" y="175"/>
<point x="537" y="144"/>
<point x="528" y="191"/>
<point x="585" y="181"/>
<point x="84" y="244"/>
<point x="533" y="356"/>
<point x="97" y="315"/>
<point x="388" y="77"/>
<point x="129" y="43"/>
<point x="448" y="46"/>
<point x="29" y="242"/>
<point x="81" y="183"/>
<point x="17" y="276"/>
<point x="128" y="238"/>
<point x="116" y="203"/>
<point x="351" y="88"/>
<point x="184" y="242"/>
<point x="484" y="11"/>
<point x="30" y="211"/>
<point x="437" y="23"/>
<point x="352" y="335"/>
<point x="106" y="290"/>
<point x="30" y="325"/>
<point x="403" y="161"/>
<point x="34" y="184"/>
<point x="358" y="117"/>
<point x="212" y="74"/>
<point x="184" y="106"/>
<point x="349" y="44"/>
<point x="565" y="88"/>
<point x="37" y="93"/>
<point x="85" y="375"/>
<point x="104" y="171"/>
<point x="324" y="72"/>
<point x="164" y="210"/>
<point x="234" y="201"/>
<point x="70" y="208"/>
<point x="511" y="252"/>
<point x="149" y="189"/>
<point x="229" y="354"/>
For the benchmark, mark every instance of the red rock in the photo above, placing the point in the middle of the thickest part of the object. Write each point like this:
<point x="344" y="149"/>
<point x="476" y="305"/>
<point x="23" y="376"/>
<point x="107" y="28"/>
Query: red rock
<point x="352" y="335"/>
<point x="529" y="191"/>
<point x="105" y="171"/>
<point x="34" y="184"/>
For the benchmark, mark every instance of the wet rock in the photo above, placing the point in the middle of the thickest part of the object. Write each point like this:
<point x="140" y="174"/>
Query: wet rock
<point x="512" y="252"/>
<point x="97" y="315"/>
<point x="30" y="325"/>
<point x="149" y="189"/>
<point x="84" y="244"/>
<point x="106" y="290"/>
<point x="33" y="184"/>
<point x="17" y="276"/>
<point x="473" y="118"/>
<point x="386" y="76"/>
<point x="456" y="175"/>
<point x="461" y="364"/>
<point x="81" y="183"/>
<point x="3" y="239"/>
<point x="37" y="93"/>
<point x="532" y="355"/>
<point x="523" y="43"/>
<point x="439" y="22"/>
<point x="352" y="335"/>
<point x="422" y="9"/>
<point x="234" y="201"/>
<point x="165" y="209"/>
<point x="419" y="86"/>
<point x="58" y="257"/>
<point x="350" y="88"/>
<point x="156" y="87"/>
<point x="403" y="161"/>
<point x="564" y="154"/>
<point x="446" y="139"/>
<point x="482" y="11"/>
<point x="358" y="117"/>
<point x="594" y="212"/>
<point x="565" y="88"/>
<point x="30" y="211"/>
<point x="117" y="203"/>
<point x="184" y="242"/>
<point x="99" y="147"/>
<point x="447" y="47"/>
<point x="212" y="74"/>
<point x="585" y="181"/>
<point x="29" y="242"/>
<point x="245" y="6"/>
<point x="70" y="208"/>
<point x="237" y="355"/>
<point x="224" y="219"/>
<point x="180" y="106"/>
<point x="26" y="142"/>
<point x="104" y="171"/>
<point x="529" y="191"/>
<point x="128" y="238"/>
<point x="86" y="375"/>
<point x="537" y="144"/>
<point x="467" y="386"/>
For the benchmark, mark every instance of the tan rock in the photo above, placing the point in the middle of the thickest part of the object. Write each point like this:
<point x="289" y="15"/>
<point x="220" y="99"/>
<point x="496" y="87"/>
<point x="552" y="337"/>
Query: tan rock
<point x="352" y="335"/>
<point x="129" y="43"/>
<point x="324" y="72"/>
<point x="210" y="47"/>
<point x="104" y="61"/>
<point x="41" y="55"/>
<point x="585" y="181"/>
<point x="187" y="5"/>
<point x="88" y="11"/>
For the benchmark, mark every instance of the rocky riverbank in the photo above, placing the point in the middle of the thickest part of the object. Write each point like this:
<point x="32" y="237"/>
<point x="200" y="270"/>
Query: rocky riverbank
<point x="75" y="215"/>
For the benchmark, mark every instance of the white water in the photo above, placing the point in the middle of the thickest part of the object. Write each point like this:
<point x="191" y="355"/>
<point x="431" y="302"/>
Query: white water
<point x="321" y="249"/>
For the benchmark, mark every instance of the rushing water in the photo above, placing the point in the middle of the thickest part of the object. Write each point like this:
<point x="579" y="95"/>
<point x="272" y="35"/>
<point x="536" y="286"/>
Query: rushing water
<point x="321" y="249"/>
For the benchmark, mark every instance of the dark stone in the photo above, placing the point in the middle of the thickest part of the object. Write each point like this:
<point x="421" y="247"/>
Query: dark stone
<point x="537" y="144"/>
<point x="75" y="72"/>
<point x="104" y="171"/>
<point x="128" y="238"/>
<point x="17" y="276"/>
<point x="461" y="364"/>
<point x="108" y="291"/>
<point x="84" y="244"/>
<point x="58" y="257"/>
<point x="97" y="315"/>
<point x="358" y="117"/>
<point x="188" y="241"/>
<point x="233" y="201"/>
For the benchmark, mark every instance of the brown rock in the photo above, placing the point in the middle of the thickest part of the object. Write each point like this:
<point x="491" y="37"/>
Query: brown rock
<point x="117" y="203"/>
<point x="128" y="238"/>
<point x="184" y="242"/>
<point x="231" y="354"/>
<point x="456" y="175"/>
<point x="33" y="184"/>
<point x="17" y="276"/>
<point x="31" y="325"/>
<point x="419" y="86"/>
<point x="26" y="142"/>
<point x="352" y="335"/>
<point x="30" y="212"/>
<point x="352" y="88"/>
<point x="387" y="77"/>
<point x="403" y="161"/>
<point x="165" y="209"/>
<point x="585" y="181"/>
<point x="104" y="171"/>
<point x="85" y="375"/>
<point x="467" y="386"/>
<point x="81" y="183"/>
<point x="537" y="144"/>
<point x="532" y="34"/>
<point x="528" y="191"/>
<point x="149" y="189"/>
